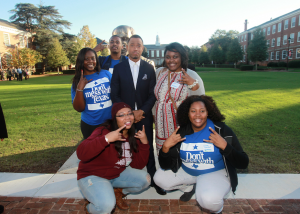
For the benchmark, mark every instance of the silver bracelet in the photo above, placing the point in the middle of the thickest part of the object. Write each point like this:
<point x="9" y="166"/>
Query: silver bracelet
<point x="191" y="86"/>
<point x="79" y="89"/>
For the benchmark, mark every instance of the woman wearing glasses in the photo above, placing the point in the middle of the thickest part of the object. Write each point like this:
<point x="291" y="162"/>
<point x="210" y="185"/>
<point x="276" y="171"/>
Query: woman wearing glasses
<point x="111" y="162"/>
<point x="91" y="91"/>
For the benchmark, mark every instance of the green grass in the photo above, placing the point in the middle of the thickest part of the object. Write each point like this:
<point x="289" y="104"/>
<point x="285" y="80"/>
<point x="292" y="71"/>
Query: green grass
<point x="261" y="107"/>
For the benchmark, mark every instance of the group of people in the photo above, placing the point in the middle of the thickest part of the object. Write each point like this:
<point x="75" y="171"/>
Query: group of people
<point x="15" y="73"/>
<point x="120" y="97"/>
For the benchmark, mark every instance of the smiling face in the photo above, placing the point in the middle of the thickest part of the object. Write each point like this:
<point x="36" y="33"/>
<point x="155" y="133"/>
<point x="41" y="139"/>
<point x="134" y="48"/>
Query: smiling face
<point x="115" y="45"/>
<point x="89" y="63"/>
<point x="198" y="116"/>
<point x="135" y="49"/>
<point x="173" y="61"/>
<point x="125" y="117"/>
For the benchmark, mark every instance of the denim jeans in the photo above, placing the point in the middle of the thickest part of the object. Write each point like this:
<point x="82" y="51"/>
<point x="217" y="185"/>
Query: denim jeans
<point x="100" y="193"/>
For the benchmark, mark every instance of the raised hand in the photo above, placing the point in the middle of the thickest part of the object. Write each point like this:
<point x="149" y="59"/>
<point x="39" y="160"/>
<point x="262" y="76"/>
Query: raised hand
<point x="142" y="136"/>
<point x="82" y="82"/>
<point x="172" y="140"/>
<point x="115" y="135"/>
<point x="216" y="139"/>
<point x="100" y="47"/>
<point x="186" y="79"/>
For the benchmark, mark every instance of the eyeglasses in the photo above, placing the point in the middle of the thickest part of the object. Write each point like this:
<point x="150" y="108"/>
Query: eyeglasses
<point x="124" y="115"/>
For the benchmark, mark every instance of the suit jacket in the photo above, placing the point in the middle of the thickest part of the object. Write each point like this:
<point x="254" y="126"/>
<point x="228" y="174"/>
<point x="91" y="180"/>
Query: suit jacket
<point x="122" y="86"/>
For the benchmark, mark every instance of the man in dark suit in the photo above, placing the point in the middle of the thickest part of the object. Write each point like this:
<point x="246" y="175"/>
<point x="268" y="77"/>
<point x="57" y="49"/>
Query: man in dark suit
<point x="133" y="82"/>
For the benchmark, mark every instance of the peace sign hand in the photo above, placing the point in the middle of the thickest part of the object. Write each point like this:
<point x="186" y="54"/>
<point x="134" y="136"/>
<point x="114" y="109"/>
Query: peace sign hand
<point x="216" y="139"/>
<point x="82" y="82"/>
<point x="142" y="136"/>
<point x="172" y="140"/>
<point x="99" y="47"/>
<point x="186" y="79"/>
<point x="115" y="135"/>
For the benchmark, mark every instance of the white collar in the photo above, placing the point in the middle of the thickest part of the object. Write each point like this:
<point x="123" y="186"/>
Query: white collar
<point x="131" y="63"/>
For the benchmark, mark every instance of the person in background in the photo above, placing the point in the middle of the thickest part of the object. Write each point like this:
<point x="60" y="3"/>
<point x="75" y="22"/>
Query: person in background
<point x="91" y="91"/>
<point x="19" y="70"/>
<point x="203" y="150"/>
<point x="9" y="74"/>
<point x="111" y="162"/>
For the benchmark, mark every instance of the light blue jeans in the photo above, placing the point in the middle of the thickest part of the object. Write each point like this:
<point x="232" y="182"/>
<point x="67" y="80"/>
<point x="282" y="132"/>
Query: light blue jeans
<point x="100" y="193"/>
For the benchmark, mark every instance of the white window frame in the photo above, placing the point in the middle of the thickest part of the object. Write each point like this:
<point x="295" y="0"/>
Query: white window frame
<point x="264" y="31"/>
<point x="21" y="40"/>
<point x="272" y="55"/>
<point x="292" y="36"/>
<point x="274" y="29"/>
<point x="7" y="44"/>
<point x="284" y="41"/>
<point x="293" y="22"/>
<point x="267" y="59"/>
<point x="245" y="38"/>
<point x="298" y="37"/>
<point x="283" y="51"/>
<point x="286" y="24"/>
<point x="278" y="41"/>
<point x="277" y="55"/>
<point x="268" y="42"/>
<point x="157" y="53"/>
<point x="279" y="27"/>
<point x="273" y="42"/>
<point x="152" y="53"/>
<point x="292" y="54"/>
<point x="269" y="31"/>
<point x="297" y="53"/>
<point x="162" y="53"/>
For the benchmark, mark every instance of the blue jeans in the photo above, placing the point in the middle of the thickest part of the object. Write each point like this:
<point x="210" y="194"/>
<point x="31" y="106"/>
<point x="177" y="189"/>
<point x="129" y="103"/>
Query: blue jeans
<point x="100" y="193"/>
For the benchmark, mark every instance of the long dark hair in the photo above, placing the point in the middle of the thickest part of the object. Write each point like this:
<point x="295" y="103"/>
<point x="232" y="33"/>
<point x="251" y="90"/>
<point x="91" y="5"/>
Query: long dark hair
<point x="79" y="65"/>
<point x="177" y="47"/>
<point x="112" y="125"/>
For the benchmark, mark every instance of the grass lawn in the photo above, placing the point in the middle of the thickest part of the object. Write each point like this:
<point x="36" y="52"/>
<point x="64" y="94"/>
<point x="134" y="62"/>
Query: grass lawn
<point x="261" y="107"/>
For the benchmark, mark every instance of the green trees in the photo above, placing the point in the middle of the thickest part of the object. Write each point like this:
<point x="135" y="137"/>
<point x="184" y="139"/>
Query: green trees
<point x="216" y="54"/>
<point x="145" y="52"/>
<point x="235" y="52"/>
<point x="257" y="49"/>
<point x="87" y="38"/>
<point x="203" y="56"/>
<point x="57" y="56"/>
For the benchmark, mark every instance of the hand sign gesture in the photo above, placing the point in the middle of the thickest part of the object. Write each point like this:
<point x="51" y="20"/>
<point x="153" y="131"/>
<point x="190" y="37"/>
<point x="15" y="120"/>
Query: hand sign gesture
<point x="115" y="135"/>
<point x="142" y="136"/>
<point x="172" y="140"/>
<point x="216" y="139"/>
<point x="82" y="82"/>
<point x="99" y="47"/>
<point x="186" y="79"/>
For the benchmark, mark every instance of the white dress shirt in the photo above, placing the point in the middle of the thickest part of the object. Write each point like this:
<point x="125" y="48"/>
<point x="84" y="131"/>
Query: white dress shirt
<point x="134" y="67"/>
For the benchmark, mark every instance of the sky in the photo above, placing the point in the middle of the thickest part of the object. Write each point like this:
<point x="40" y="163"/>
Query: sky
<point x="189" y="22"/>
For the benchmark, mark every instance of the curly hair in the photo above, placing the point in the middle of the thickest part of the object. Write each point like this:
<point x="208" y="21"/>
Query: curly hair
<point x="213" y="111"/>
<point x="177" y="47"/>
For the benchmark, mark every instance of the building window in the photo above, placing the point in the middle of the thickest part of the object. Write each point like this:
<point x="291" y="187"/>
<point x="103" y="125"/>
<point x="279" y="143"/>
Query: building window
<point x="162" y="53"/>
<point x="279" y="27"/>
<point x="6" y="39"/>
<point x="268" y="31"/>
<point x="298" y="53"/>
<point x="283" y="54"/>
<point x="274" y="29"/>
<point x="277" y="55"/>
<point x="298" y="37"/>
<point x="157" y="53"/>
<point x="273" y="42"/>
<point x="251" y="36"/>
<point x="21" y="40"/>
<point x="267" y="56"/>
<point x="245" y="37"/>
<point x="293" y="22"/>
<point x="286" y="24"/>
<point x="272" y="56"/>
<point x="268" y="42"/>
<point x="292" y="35"/>
<point x="264" y="31"/>
<point x="278" y="41"/>
<point x="149" y="52"/>
<point x="284" y="39"/>
<point x="242" y="39"/>
<point x="244" y="58"/>
<point x="152" y="53"/>
<point x="291" y="54"/>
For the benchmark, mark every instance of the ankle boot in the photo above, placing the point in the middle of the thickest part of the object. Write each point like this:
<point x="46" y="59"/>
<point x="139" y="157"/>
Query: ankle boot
<point x="120" y="202"/>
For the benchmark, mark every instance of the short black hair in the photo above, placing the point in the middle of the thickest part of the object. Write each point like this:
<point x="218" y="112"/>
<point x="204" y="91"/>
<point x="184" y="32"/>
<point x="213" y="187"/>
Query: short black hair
<point x="115" y="36"/>
<point x="177" y="47"/>
<point x="135" y="36"/>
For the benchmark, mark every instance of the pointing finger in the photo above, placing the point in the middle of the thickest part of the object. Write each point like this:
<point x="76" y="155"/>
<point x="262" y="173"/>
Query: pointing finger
<point x="81" y="74"/>
<point x="90" y="80"/>
<point x="213" y="131"/>
<point x="122" y="127"/>
<point x="176" y="130"/>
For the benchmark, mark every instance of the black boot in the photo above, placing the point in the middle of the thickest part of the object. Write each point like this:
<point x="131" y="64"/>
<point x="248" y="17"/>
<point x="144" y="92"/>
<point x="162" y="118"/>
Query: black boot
<point x="188" y="195"/>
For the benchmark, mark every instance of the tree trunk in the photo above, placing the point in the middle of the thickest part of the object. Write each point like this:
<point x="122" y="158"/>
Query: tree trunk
<point x="58" y="70"/>
<point x="256" y="65"/>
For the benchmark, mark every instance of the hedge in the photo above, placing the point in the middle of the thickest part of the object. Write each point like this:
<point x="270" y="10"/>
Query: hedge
<point x="294" y="64"/>
<point x="247" y="68"/>
<point x="218" y="66"/>
<point x="272" y="64"/>
<point x="68" y="72"/>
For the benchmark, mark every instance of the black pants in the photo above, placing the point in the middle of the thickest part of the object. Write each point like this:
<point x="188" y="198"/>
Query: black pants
<point x="9" y="78"/>
<point x="20" y="77"/>
<point x="87" y="129"/>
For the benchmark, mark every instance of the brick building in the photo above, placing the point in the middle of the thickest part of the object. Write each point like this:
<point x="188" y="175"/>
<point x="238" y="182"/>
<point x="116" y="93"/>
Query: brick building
<point x="282" y="33"/>
<point x="156" y="52"/>
<point x="12" y="36"/>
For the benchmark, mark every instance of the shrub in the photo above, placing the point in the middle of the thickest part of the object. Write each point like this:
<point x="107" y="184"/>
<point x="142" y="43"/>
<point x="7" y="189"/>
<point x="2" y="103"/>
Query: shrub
<point x="68" y="72"/>
<point x="281" y="64"/>
<point x="241" y="64"/>
<point x="294" y="64"/>
<point x="246" y="68"/>
<point x="272" y="64"/>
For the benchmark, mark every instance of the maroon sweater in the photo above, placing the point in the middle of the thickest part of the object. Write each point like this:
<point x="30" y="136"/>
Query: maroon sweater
<point x="99" y="158"/>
